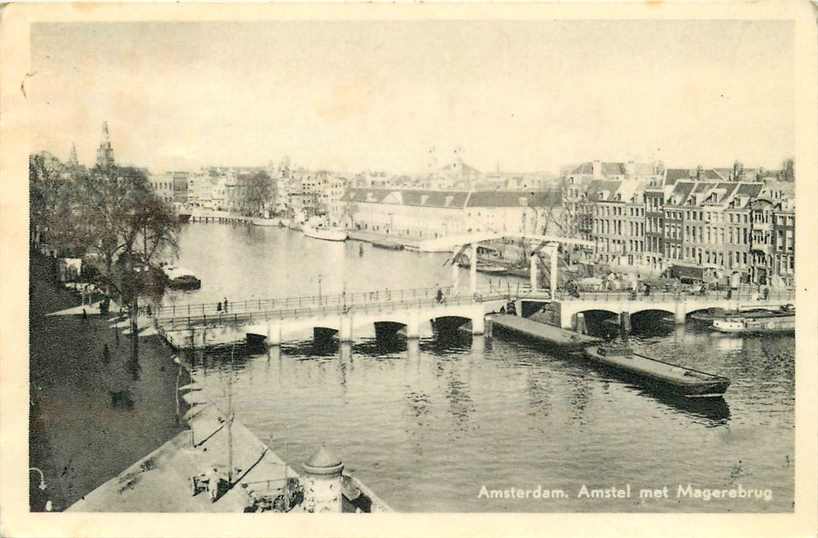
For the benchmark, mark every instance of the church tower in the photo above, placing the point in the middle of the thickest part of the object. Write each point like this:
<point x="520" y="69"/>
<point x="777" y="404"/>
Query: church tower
<point x="73" y="161"/>
<point x="105" y="152"/>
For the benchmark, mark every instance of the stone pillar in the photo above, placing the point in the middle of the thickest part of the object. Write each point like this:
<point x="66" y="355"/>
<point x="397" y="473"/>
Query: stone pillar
<point x="322" y="482"/>
<point x="478" y="324"/>
<point x="345" y="350"/>
<point x="478" y="343"/>
<point x="489" y="332"/>
<point x="532" y="270"/>
<point x="345" y="334"/>
<point x="274" y="334"/>
<point x="624" y="324"/>
<point x="554" y="260"/>
<point x="581" y="327"/>
<point x="473" y="269"/>
<point x="518" y="306"/>
<point x="413" y="348"/>
<point x="680" y="313"/>
<point x="413" y="325"/>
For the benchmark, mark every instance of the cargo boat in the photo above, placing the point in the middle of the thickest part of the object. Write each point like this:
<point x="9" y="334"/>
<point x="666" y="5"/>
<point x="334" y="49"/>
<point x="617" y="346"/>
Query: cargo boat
<point x="261" y="221"/>
<point x="683" y="381"/>
<point x="541" y="332"/>
<point x="327" y="234"/>
<point x="757" y="322"/>
<point x="388" y="245"/>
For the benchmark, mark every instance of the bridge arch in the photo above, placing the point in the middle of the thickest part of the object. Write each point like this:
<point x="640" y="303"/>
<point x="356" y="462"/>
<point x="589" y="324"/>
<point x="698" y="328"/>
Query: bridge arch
<point x="388" y="329"/>
<point x="652" y="311"/>
<point x="593" y="319"/>
<point x="651" y="320"/>
<point x="449" y="324"/>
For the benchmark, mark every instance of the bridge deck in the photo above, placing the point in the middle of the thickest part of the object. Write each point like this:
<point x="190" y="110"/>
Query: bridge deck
<point x="305" y="307"/>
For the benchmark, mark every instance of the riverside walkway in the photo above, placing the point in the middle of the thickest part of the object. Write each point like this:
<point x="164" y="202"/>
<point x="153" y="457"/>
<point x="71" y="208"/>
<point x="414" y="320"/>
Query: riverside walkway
<point x="274" y="320"/>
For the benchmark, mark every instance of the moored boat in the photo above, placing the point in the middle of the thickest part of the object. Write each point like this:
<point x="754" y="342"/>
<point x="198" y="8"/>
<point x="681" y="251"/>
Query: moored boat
<point x="491" y="269"/>
<point x="389" y="245"/>
<point x="181" y="278"/>
<point x="757" y="322"/>
<point x="686" y="382"/>
<point x="325" y="233"/>
<point x="261" y="221"/>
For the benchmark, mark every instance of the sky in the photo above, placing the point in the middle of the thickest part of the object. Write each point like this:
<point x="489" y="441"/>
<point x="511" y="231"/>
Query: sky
<point x="402" y="96"/>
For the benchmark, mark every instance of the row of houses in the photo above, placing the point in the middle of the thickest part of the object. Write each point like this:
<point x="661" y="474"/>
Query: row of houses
<point x="684" y="217"/>
<point x="428" y="214"/>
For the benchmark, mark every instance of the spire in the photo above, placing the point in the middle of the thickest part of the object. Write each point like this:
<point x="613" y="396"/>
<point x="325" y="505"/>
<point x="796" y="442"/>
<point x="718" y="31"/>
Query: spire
<point x="72" y="157"/>
<point x="105" y="151"/>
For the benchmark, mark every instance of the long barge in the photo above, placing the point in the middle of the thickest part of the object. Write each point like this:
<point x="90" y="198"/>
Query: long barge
<point x="542" y="332"/>
<point x="683" y="381"/>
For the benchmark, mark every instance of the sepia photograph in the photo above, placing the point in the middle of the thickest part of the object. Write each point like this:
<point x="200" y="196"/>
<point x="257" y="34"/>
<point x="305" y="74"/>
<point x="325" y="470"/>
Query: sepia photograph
<point x="318" y="265"/>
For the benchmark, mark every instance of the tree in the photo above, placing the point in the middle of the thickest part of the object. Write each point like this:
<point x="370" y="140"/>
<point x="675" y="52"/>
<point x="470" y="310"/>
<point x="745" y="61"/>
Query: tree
<point x="125" y="228"/>
<point x="788" y="169"/>
<point x="52" y="201"/>
<point x="738" y="170"/>
<point x="259" y="192"/>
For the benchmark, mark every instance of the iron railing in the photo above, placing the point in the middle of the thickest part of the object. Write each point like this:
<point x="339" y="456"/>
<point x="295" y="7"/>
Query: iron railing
<point x="330" y="305"/>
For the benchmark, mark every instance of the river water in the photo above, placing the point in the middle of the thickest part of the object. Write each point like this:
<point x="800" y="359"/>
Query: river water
<point x="427" y="425"/>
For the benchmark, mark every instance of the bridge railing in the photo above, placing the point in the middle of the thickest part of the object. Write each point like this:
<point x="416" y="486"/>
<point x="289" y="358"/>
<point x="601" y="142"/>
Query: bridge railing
<point x="184" y="321"/>
<point x="295" y="302"/>
<point x="740" y="296"/>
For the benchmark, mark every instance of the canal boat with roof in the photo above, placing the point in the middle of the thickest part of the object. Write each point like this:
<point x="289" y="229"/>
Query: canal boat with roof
<point x="679" y="380"/>
<point x="757" y="321"/>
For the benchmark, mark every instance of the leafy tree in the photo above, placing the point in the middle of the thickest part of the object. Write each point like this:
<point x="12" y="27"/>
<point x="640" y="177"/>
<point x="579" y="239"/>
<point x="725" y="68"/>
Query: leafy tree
<point x="125" y="229"/>
<point x="259" y="192"/>
<point x="788" y="169"/>
<point x="52" y="201"/>
<point x="738" y="170"/>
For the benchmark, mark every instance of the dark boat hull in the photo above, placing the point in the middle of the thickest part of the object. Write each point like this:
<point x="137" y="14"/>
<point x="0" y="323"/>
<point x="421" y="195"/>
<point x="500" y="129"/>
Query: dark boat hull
<point x="663" y="376"/>
<point x="185" y="284"/>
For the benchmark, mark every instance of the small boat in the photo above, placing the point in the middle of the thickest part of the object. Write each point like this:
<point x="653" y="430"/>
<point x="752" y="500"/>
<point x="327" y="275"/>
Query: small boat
<point x="491" y="269"/>
<point x="260" y="221"/>
<point x="757" y="322"/>
<point x="389" y="245"/>
<point x="181" y="279"/>
<point x="325" y="233"/>
<point x="686" y="382"/>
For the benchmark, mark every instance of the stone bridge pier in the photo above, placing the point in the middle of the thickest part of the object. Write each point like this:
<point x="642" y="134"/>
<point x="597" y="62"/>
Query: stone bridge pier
<point x="679" y="306"/>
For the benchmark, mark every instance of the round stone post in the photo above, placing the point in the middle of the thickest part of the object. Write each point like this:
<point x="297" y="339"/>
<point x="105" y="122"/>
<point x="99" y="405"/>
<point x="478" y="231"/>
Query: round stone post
<point x="323" y="482"/>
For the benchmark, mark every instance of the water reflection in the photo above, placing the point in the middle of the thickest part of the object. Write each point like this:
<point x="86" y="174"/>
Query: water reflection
<point x="511" y="412"/>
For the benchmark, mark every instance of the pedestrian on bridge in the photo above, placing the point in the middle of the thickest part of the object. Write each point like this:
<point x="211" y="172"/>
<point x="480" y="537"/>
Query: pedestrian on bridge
<point x="225" y="305"/>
